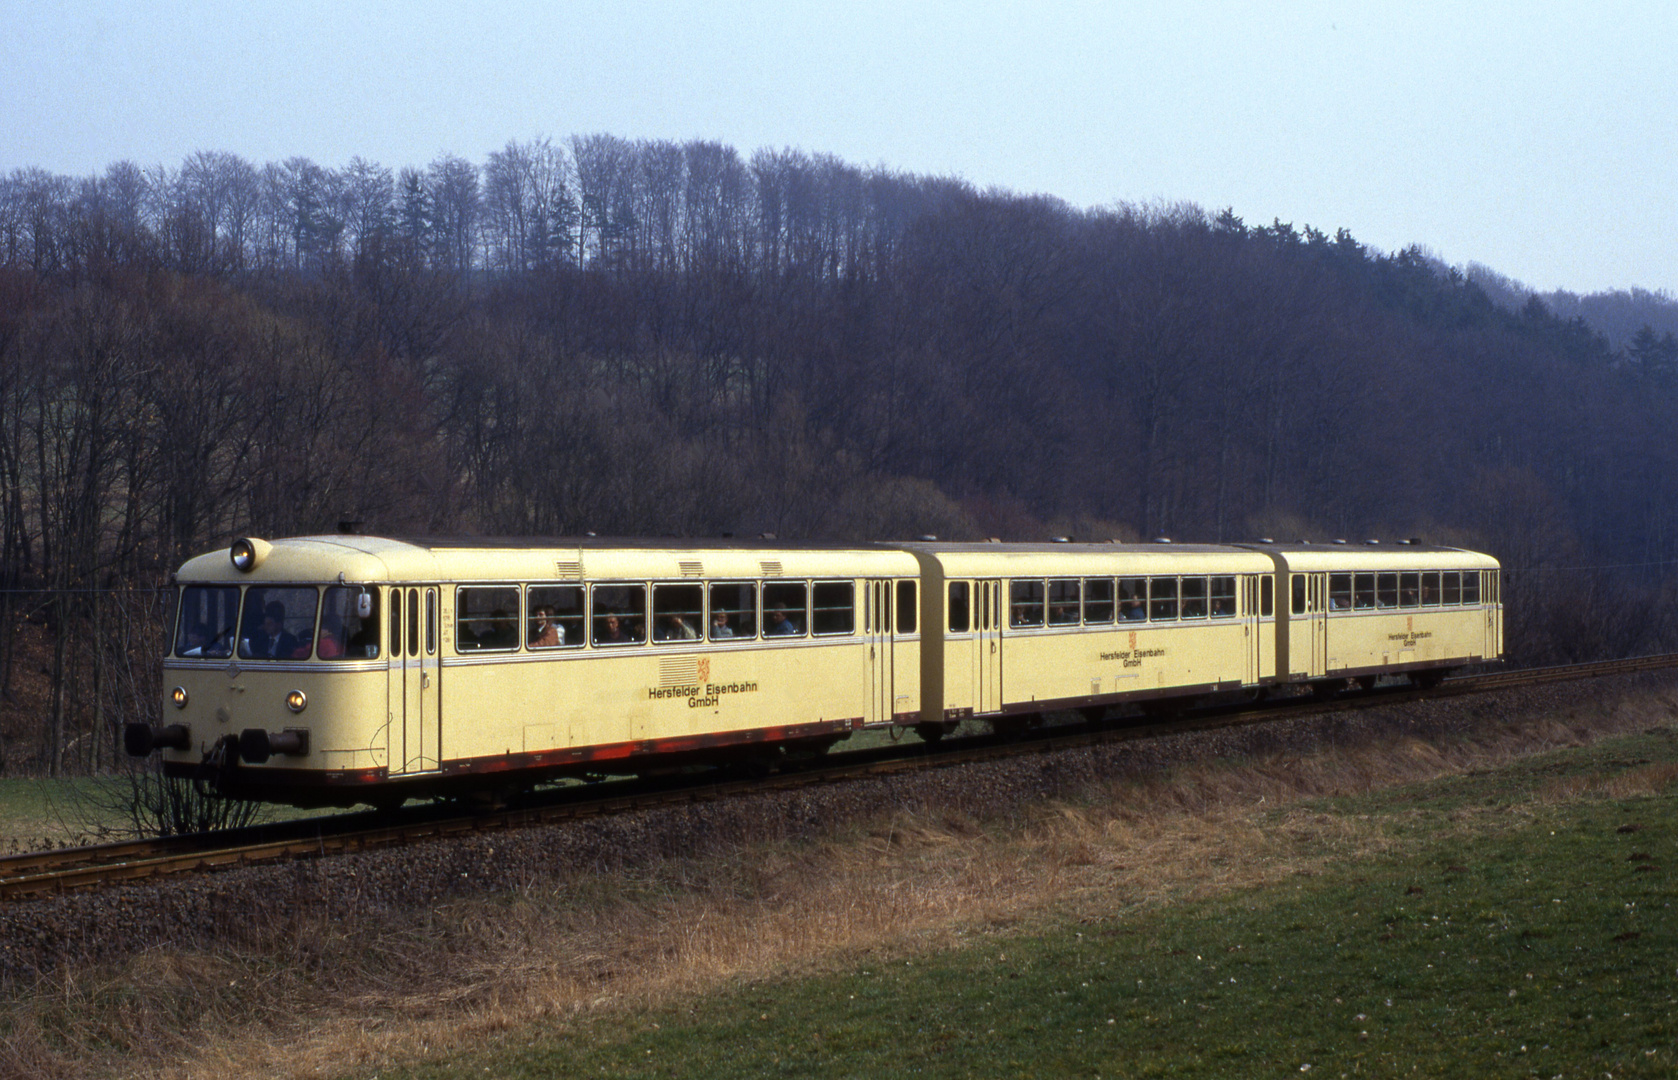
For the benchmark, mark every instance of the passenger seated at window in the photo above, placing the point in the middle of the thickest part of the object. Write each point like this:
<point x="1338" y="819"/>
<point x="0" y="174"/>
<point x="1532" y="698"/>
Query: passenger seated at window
<point x="1222" y="605"/>
<point x="197" y="639"/>
<point x="610" y="631"/>
<point x="780" y="623"/>
<point x="544" y="632"/>
<point x="272" y="639"/>
<point x="719" y="625"/>
<point x="500" y="633"/>
<point x="675" y="628"/>
<point x="329" y="647"/>
<point x="1133" y="610"/>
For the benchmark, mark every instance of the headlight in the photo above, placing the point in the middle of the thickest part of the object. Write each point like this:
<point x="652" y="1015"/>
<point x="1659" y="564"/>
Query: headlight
<point x="296" y="701"/>
<point x="178" y="696"/>
<point x="248" y="552"/>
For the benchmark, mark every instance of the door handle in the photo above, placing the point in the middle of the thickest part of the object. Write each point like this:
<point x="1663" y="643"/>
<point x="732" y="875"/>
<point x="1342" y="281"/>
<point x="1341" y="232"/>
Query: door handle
<point x="425" y="680"/>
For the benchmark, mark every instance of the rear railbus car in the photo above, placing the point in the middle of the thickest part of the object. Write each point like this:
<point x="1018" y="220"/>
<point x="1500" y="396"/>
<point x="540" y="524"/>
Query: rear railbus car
<point x="1359" y="612"/>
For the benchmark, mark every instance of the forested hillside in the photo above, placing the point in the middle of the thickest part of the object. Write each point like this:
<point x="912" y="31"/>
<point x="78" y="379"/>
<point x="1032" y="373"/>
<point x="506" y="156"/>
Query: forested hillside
<point x="652" y="338"/>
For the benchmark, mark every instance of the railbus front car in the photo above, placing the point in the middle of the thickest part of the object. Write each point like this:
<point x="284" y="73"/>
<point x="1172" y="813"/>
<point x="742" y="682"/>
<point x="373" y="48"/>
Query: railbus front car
<point x="342" y="669"/>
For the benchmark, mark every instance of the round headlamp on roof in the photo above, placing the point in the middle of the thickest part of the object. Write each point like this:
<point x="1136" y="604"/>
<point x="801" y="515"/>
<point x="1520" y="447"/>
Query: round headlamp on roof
<point x="248" y="552"/>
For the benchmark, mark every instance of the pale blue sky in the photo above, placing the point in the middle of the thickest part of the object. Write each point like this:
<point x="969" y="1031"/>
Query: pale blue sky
<point x="1537" y="138"/>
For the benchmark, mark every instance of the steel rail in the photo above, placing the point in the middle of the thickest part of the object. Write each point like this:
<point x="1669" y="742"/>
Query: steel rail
<point x="39" y="874"/>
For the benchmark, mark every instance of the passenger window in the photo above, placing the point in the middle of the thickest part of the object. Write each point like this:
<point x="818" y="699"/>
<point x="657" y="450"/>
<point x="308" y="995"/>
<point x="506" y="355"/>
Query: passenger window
<point x="1098" y="601"/>
<point x="396" y="622"/>
<point x="1133" y="599"/>
<point x="487" y="617"/>
<point x="678" y="612"/>
<point x="1223" y="597"/>
<point x="349" y="623"/>
<point x="555" y="616"/>
<point x="960" y="608"/>
<point x="414" y="622"/>
<point x="1430" y="589"/>
<point x="1267" y="596"/>
<point x="620" y="614"/>
<point x="1298" y="588"/>
<point x="208" y="615"/>
<point x="905" y="607"/>
<point x="279" y="623"/>
<point x="1452" y="591"/>
<point x="1194" y="598"/>
<point x="1386" y="590"/>
<point x="1363" y="591"/>
<point x="1162" y="598"/>
<point x="1340" y="592"/>
<point x="1471" y="586"/>
<point x="833" y="607"/>
<point x="1410" y="589"/>
<point x="1025" y="603"/>
<point x="734" y="610"/>
<point x="1064" y="602"/>
<point x="783" y="609"/>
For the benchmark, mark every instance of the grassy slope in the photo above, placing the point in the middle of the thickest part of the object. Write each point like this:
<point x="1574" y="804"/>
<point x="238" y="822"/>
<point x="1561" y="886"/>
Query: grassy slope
<point x="1516" y="922"/>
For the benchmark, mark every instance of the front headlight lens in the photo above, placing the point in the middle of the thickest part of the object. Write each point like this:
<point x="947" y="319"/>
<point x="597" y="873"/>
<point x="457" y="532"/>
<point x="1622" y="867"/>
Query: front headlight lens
<point x="178" y="696"/>
<point x="296" y="701"/>
<point x="244" y="556"/>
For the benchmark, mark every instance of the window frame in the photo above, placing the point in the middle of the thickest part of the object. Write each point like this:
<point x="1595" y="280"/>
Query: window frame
<point x="1094" y="602"/>
<point x="1071" y="607"/>
<point x="462" y="619"/>
<point x="597" y="616"/>
<point x="1027" y="603"/>
<point x="1163" y="608"/>
<point x="826" y="611"/>
<point x="737" y="633"/>
<point x="963" y="605"/>
<point x="573" y="629"/>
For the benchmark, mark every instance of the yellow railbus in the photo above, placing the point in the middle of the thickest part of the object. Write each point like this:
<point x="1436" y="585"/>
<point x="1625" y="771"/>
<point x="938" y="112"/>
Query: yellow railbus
<point x="332" y="670"/>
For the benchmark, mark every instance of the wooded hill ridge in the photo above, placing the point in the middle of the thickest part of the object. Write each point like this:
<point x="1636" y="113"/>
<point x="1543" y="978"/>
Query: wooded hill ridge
<point x="642" y="337"/>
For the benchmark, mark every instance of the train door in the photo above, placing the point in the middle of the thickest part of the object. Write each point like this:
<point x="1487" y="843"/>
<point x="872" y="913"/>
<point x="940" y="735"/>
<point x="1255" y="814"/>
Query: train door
<point x="876" y="626"/>
<point x="415" y="728"/>
<point x="1318" y="603"/>
<point x="1250" y="626"/>
<point x="1493" y="595"/>
<point x="1308" y="608"/>
<point x="987" y="652"/>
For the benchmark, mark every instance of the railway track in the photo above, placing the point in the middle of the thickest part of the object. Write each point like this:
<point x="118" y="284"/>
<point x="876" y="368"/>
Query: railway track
<point x="40" y="874"/>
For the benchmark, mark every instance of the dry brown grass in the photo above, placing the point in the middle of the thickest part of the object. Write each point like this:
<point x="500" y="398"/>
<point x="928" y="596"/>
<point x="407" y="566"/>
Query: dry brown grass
<point x="346" y="997"/>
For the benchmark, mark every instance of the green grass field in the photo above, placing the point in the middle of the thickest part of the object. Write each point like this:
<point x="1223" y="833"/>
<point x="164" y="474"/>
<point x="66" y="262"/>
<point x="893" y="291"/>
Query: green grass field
<point x="39" y="813"/>
<point x="1519" y="923"/>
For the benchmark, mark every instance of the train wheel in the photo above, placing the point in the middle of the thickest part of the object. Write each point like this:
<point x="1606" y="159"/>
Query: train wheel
<point x="931" y="732"/>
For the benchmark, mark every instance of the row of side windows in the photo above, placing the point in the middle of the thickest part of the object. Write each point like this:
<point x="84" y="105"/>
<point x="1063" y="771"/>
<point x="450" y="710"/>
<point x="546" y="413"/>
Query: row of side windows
<point x="610" y="614"/>
<point x="1037" y="602"/>
<point x="1391" y="589"/>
